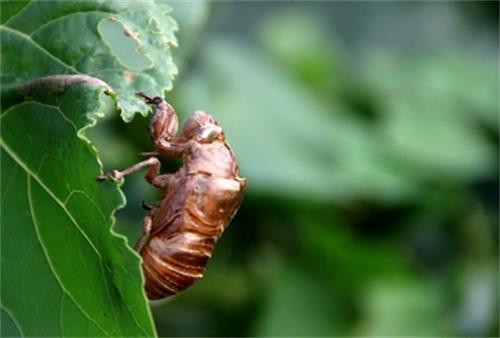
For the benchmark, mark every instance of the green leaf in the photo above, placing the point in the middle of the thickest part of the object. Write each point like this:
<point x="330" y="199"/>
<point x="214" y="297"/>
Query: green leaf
<point x="298" y="303"/>
<point x="399" y="306"/>
<point x="124" y="43"/>
<point x="296" y="37"/>
<point x="434" y="111"/>
<point x="9" y="328"/>
<point x="64" y="271"/>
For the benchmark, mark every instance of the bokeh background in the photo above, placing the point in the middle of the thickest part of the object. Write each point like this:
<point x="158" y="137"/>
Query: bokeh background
<point x="368" y="132"/>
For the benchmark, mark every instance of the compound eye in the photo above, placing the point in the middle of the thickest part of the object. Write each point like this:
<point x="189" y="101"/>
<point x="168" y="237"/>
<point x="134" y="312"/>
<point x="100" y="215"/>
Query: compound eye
<point x="157" y="100"/>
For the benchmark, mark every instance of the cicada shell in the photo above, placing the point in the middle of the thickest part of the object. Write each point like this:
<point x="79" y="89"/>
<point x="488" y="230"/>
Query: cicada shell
<point x="198" y="203"/>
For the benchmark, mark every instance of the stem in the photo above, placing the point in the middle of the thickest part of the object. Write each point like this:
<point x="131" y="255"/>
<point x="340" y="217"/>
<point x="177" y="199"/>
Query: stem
<point x="55" y="84"/>
<point x="59" y="83"/>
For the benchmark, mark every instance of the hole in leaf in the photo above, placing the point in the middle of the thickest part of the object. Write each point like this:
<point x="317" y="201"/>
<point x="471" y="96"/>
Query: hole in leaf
<point x="123" y="44"/>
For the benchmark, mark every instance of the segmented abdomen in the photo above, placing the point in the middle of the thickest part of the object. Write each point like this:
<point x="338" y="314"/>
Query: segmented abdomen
<point x="175" y="257"/>
<point x="172" y="265"/>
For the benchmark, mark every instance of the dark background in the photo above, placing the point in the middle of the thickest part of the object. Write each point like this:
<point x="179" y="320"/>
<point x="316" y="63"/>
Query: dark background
<point x="368" y="132"/>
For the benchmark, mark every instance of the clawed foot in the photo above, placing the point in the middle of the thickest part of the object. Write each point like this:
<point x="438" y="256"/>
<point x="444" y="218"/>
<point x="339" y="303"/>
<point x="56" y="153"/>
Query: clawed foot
<point x="146" y="98"/>
<point x="147" y="206"/>
<point x="115" y="175"/>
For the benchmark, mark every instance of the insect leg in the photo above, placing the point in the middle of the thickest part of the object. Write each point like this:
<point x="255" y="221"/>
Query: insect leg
<point x="148" y="207"/>
<point x="153" y="165"/>
<point x="148" y="224"/>
<point x="170" y="149"/>
<point x="161" y="181"/>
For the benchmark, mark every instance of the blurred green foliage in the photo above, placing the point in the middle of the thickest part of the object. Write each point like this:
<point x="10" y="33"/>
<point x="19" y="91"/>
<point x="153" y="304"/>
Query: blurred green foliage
<point x="369" y="135"/>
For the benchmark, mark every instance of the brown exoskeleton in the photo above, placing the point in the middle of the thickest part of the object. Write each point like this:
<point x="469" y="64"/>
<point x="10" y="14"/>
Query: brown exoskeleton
<point x="199" y="200"/>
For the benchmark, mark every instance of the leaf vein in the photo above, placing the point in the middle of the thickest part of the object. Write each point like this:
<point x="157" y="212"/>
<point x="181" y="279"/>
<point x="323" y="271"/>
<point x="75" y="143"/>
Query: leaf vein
<point x="64" y="17"/>
<point x="18" y="13"/>
<point x="13" y="319"/>
<point x="63" y="204"/>
<point x="50" y="55"/>
<point x="124" y="239"/>
<point x="35" y="226"/>
<point x="39" y="181"/>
